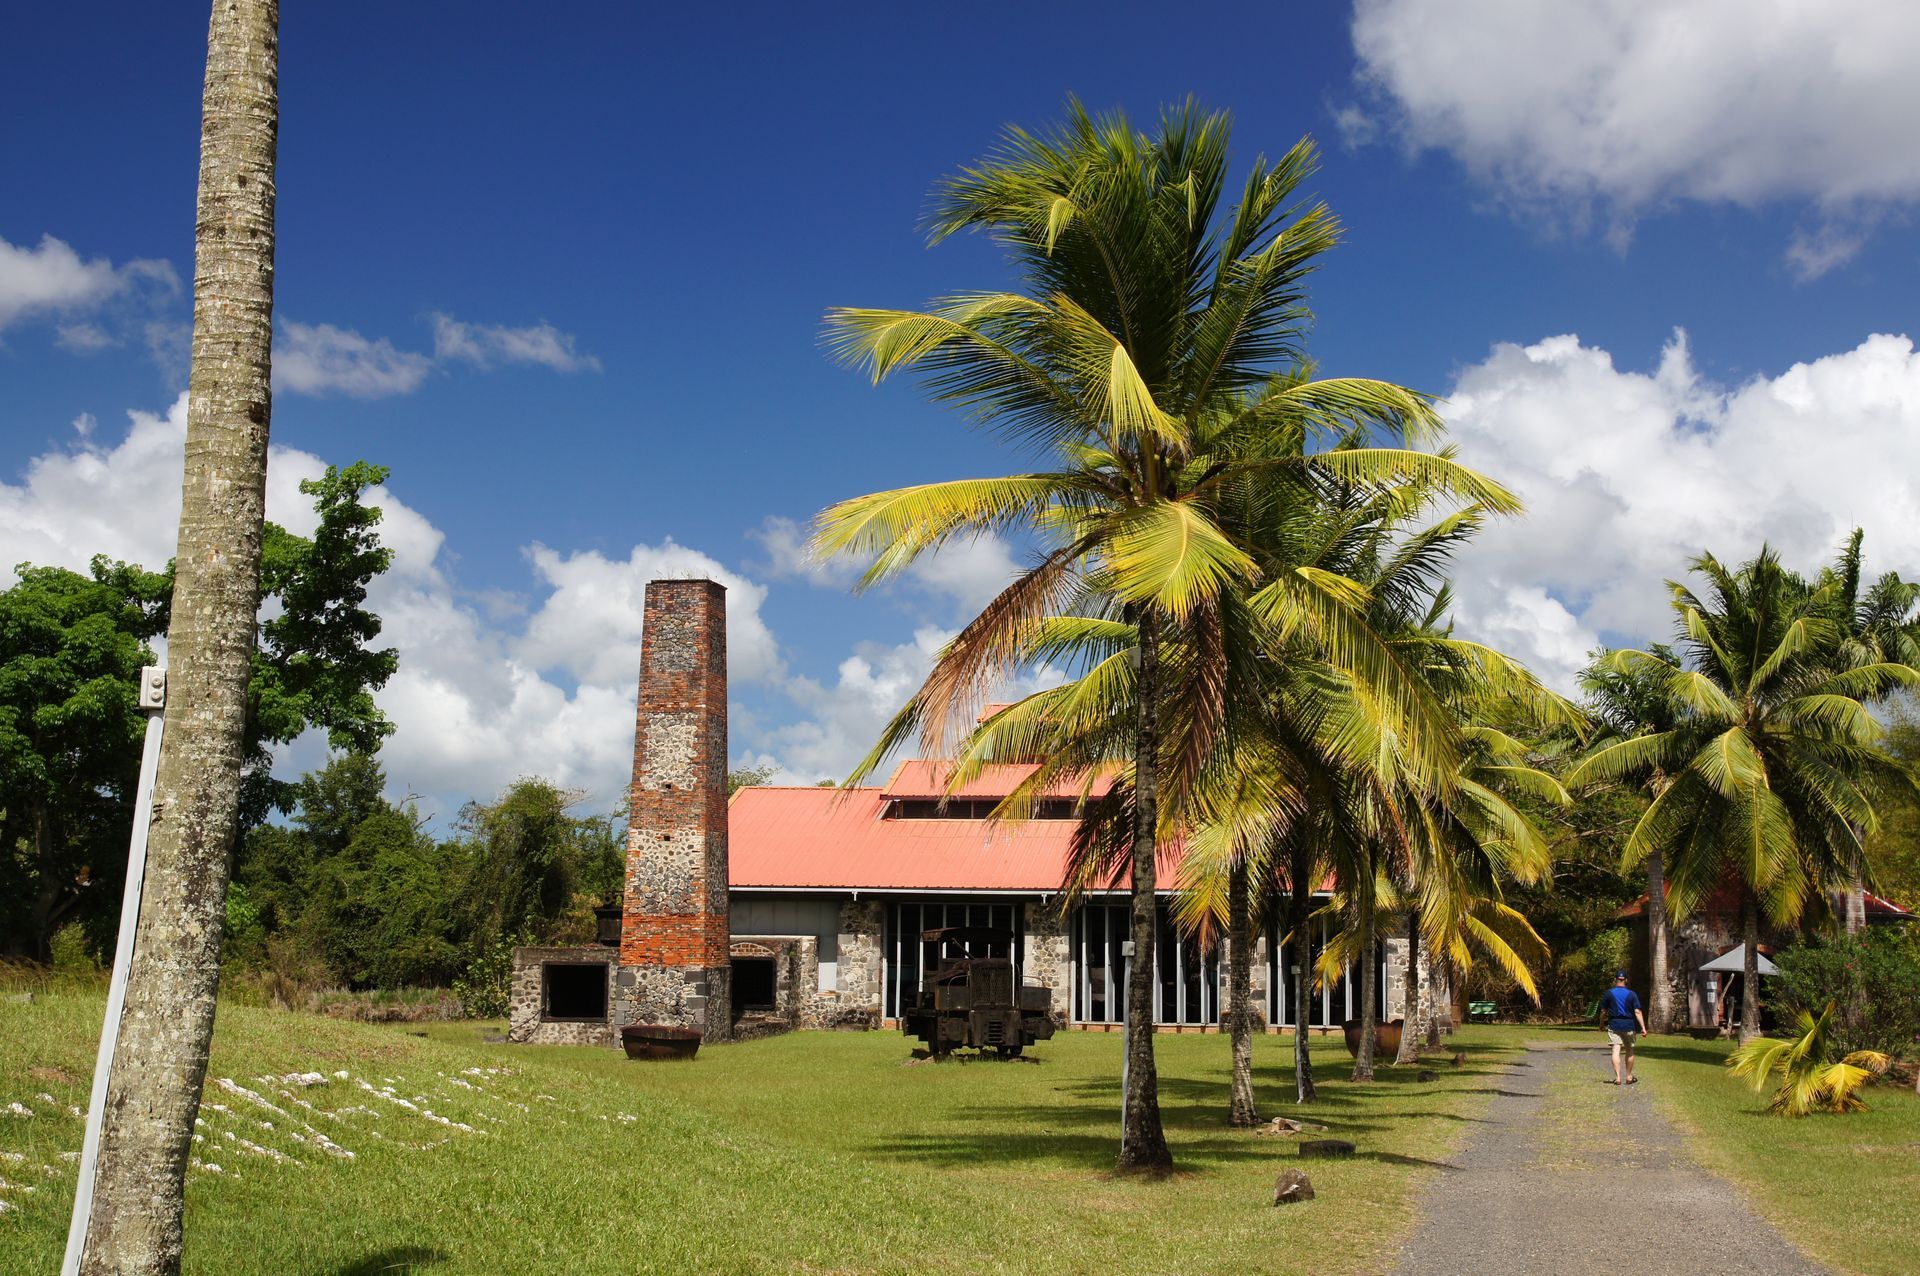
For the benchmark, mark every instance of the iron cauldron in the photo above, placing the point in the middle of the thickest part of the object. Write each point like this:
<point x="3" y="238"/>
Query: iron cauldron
<point x="658" y="1041"/>
<point x="1386" y="1038"/>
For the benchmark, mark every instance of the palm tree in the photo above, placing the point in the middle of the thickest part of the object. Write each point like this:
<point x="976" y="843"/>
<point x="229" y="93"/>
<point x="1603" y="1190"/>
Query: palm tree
<point x="1153" y="358"/>
<point x="1878" y="625"/>
<point x="1626" y="703"/>
<point x="161" y="1058"/>
<point x="1774" y="764"/>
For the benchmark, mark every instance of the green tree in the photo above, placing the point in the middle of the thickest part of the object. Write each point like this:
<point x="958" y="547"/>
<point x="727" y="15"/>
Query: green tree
<point x="71" y="649"/>
<point x="353" y="881"/>
<point x="314" y="665"/>
<point x="1153" y="356"/>
<point x="748" y="777"/>
<point x="1893" y="849"/>
<point x="529" y="861"/>
<point x="1775" y="766"/>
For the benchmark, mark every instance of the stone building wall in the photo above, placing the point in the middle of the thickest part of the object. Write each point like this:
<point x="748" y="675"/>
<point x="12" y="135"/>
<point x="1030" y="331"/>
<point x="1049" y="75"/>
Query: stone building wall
<point x="1049" y="957"/>
<point x="862" y="935"/>
<point x="673" y="944"/>
<point x="1435" y="988"/>
<point x="527" y="1021"/>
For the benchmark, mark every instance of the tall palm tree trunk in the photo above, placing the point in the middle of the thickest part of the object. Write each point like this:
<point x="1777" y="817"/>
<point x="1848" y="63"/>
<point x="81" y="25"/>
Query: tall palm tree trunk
<point x="1659" y="991"/>
<point x="1301" y="872"/>
<point x="1437" y="988"/>
<point x="1143" y="1143"/>
<point x="1369" y="1009"/>
<point x="1242" y="1111"/>
<point x="1750" y="967"/>
<point x="1409" y="1051"/>
<point x="161" y="1058"/>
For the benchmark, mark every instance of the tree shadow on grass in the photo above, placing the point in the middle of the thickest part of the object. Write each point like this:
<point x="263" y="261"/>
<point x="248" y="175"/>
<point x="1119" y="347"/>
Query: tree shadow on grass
<point x="394" y="1258"/>
<point x="1082" y="1129"/>
<point x="1395" y="1158"/>
<point x="1682" y="1052"/>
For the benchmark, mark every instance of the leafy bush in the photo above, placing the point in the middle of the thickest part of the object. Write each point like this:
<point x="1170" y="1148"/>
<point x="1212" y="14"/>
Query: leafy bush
<point x="245" y="943"/>
<point x="486" y="988"/>
<point x="69" y="951"/>
<point x="1873" y="981"/>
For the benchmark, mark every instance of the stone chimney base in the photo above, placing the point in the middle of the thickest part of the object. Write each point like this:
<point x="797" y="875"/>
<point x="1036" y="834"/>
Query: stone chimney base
<point x="676" y="996"/>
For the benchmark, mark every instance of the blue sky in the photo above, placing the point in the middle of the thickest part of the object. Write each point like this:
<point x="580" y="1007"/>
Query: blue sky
<point x="562" y="269"/>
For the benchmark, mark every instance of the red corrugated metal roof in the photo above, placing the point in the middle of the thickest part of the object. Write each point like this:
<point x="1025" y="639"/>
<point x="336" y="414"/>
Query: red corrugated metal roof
<point x="1724" y="901"/>
<point x="916" y="778"/>
<point x="829" y="839"/>
<point x="1885" y="908"/>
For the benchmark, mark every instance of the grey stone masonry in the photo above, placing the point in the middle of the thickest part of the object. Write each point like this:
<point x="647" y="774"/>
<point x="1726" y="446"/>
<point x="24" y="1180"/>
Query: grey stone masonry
<point x="527" y="1019"/>
<point x="1049" y="960"/>
<point x="862" y="932"/>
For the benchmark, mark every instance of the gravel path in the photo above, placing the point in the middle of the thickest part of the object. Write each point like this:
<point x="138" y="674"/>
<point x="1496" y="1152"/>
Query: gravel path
<point x="1572" y="1173"/>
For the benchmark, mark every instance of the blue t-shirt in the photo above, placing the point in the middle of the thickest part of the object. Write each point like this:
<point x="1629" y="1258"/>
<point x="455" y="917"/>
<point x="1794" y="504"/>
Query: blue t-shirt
<point x="1620" y="1003"/>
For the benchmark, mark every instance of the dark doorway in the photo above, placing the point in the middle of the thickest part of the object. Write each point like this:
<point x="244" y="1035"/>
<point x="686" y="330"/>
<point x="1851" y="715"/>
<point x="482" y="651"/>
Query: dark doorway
<point x="573" y="990"/>
<point x="753" y="985"/>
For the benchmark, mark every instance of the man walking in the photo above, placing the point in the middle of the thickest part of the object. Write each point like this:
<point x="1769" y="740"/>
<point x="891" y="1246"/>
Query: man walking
<point x="1625" y="1023"/>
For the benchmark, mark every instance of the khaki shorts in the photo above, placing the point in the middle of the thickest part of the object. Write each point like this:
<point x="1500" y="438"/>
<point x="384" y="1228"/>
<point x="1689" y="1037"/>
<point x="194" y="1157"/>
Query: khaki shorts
<point x="1621" y="1038"/>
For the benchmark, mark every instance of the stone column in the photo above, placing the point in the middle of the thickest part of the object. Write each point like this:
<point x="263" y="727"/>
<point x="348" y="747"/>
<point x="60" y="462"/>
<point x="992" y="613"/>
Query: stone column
<point x="673" y="939"/>
<point x="1048" y="960"/>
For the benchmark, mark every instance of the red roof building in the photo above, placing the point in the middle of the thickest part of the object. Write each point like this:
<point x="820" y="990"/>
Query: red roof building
<point x="866" y="870"/>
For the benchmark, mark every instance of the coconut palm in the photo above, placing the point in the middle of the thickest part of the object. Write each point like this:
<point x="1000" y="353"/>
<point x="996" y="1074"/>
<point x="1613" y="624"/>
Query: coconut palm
<point x="1153" y="359"/>
<point x="1811" y="1079"/>
<point x="1878" y="624"/>
<point x="1774" y="764"/>
<point x="161" y="1056"/>
<point x="1624" y="703"/>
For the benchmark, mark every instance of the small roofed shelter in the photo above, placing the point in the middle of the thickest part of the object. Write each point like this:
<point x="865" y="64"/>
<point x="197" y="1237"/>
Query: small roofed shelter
<point x="1734" y="962"/>
<point x="1721" y="987"/>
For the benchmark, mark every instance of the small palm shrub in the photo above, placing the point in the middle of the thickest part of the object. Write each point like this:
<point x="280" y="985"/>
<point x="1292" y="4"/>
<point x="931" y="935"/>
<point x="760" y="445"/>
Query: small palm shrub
<point x="1809" y="1079"/>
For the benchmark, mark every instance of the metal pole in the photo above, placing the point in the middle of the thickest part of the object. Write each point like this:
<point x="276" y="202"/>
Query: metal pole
<point x="1126" y="1027"/>
<point x="153" y="702"/>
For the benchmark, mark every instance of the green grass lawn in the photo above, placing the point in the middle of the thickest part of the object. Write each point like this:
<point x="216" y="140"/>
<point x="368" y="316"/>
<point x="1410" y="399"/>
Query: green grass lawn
<point x="1846" y="1189"/>
<point x="816" y="1152"/>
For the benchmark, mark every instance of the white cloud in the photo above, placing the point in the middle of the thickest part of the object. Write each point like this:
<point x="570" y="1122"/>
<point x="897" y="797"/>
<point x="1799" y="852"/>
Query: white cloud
<point x="323" y="359"/>
<point x="53" y="279"/>
<point x="84" y="338"/>
<point x="1627" y="475"/>
<point x="962" y="576"/>
<point x="485" y="692"/>
<point x="1811" y="254"/>
<point x="493" y="685"/>
<point x="1622" y="104"/>
<point x="844" y="720"/>
<point x="785" y="541"/>
<point x="969" y="573"/>
<point x="589" y="626"/>
<point x="485" y="345"/>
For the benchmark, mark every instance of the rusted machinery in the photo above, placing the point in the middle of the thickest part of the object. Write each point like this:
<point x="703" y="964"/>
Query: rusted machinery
<point x="977" y="1002"/>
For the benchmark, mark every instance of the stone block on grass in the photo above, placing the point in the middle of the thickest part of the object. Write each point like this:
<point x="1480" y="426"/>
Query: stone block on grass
<point x="1292" y="1186"/>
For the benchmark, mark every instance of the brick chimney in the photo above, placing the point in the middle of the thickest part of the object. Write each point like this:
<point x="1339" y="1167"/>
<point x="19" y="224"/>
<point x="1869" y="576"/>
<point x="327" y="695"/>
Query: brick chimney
<point x="673" y="937"/>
